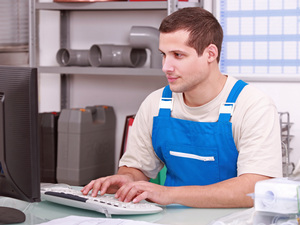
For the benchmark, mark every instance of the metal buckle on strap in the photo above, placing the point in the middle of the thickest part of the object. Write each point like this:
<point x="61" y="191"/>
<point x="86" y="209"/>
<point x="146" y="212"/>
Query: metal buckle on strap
<point x="166" y="103"/>
<point x="227" y="108"/>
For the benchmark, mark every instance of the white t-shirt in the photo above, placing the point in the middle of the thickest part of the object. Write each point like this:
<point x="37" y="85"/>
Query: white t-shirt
<point x="255" y="128"/>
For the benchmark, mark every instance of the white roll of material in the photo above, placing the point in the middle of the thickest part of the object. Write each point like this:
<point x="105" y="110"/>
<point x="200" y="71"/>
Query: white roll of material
<point x="277" y="195"/>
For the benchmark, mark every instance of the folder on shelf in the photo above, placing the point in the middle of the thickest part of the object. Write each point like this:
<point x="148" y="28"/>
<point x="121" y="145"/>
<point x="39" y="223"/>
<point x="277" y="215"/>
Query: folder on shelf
<point x="128" y="123"/>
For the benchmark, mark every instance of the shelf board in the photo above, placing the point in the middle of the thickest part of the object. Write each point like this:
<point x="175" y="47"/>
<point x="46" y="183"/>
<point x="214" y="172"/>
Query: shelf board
<point x="121" y="71"/>
<point x="109" y="5"/>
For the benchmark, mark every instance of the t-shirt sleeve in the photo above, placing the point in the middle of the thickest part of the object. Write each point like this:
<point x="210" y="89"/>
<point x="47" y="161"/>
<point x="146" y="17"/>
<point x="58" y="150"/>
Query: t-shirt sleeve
<point x="259" y="139"/>
<point x="139" y="151"/>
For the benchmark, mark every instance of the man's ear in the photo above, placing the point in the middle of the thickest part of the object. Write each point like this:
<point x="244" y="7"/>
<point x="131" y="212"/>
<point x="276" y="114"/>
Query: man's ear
<point x="213" y="52"/>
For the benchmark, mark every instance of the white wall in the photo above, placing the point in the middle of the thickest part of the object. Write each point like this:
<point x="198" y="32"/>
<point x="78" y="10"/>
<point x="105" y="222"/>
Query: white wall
<point x="125" y="93"/>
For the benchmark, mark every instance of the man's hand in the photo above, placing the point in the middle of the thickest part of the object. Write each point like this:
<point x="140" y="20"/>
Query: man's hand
<point x="144" y="190"/>
<point x="109" y="184"/>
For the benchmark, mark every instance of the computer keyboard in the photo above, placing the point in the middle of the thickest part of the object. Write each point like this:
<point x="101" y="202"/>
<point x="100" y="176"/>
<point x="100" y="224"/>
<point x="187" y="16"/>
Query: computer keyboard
<point x="106" y="204"/>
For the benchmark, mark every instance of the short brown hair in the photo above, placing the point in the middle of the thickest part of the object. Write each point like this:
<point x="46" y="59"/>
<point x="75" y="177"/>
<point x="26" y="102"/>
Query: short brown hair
<point x="204" y="28"/>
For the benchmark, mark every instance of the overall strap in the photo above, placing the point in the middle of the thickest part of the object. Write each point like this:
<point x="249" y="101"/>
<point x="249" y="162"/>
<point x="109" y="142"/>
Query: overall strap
<point x="227" y="108"/>
<point x="166" y="102"/>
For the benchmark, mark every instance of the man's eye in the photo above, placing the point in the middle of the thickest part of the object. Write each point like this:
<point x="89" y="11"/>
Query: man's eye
<point x="178" y="55"/>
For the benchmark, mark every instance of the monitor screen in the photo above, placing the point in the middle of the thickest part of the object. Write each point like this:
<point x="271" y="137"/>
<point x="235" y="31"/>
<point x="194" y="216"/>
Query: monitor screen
<point x="19" y="143"/>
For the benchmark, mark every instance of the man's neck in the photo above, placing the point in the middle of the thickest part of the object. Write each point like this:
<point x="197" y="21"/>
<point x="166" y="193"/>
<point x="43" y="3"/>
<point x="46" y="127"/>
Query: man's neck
<point x="206" y="92"/>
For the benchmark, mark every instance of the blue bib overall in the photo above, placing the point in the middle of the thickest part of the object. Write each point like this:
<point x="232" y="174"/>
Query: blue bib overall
<point x="196" y="153"/>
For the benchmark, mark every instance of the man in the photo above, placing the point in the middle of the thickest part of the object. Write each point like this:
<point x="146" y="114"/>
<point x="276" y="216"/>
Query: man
<point x="214" y="151"/>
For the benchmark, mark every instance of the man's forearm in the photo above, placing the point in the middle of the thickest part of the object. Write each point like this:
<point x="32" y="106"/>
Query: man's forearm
<point x="226" y="194"/>
<point x="134" y="173"/>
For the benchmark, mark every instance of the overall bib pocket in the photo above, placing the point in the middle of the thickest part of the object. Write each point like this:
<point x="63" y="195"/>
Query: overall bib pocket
<point x="189" y="165"/>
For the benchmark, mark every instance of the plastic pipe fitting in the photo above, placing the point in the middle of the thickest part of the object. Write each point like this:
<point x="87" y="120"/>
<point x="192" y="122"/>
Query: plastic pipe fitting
<point x="147" y="37"/>
<point x="117" y="56"/>
<point x="70" y="57"/>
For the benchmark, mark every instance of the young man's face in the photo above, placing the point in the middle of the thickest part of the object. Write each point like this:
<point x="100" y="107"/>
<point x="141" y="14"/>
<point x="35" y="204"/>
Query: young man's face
<point x="184" y="69"/>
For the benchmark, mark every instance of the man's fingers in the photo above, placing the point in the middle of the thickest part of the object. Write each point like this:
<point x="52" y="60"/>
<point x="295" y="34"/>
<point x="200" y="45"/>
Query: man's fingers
<point x="140" y="197"/>
<point x="85" y="190"/>
<point x="130" y="191"/>
<point x="122" y="192"/>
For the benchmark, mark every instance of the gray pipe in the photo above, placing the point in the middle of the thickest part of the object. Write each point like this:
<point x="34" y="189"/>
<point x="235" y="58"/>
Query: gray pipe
<point x="117" y="55"/>
<point x="147" y="37"/>
<point x="71" y="57"/>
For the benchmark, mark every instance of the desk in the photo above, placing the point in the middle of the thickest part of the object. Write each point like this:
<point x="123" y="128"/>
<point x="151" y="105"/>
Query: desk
<point x="173" y="214"/>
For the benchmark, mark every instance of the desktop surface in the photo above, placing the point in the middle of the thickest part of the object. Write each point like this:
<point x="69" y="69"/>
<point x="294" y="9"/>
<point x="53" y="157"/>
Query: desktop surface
<point x="172" y="214"/>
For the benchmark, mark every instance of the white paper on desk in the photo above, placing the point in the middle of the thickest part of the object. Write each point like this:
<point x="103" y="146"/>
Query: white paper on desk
<point x="80" y="220"/>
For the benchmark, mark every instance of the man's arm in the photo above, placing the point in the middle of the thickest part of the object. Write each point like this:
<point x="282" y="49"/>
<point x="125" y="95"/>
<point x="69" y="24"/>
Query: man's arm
<point x="226" y="194"/>
<point x="134" y="173"/>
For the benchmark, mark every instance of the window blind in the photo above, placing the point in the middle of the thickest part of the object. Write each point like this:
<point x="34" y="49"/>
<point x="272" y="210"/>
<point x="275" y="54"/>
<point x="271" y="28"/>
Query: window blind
<point x="14" y="25"/>
<point x="260" y="36"/>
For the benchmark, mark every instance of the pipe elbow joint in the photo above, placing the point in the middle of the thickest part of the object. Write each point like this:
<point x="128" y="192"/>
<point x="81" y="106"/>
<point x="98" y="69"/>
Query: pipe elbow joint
<point x="147" y="37"/>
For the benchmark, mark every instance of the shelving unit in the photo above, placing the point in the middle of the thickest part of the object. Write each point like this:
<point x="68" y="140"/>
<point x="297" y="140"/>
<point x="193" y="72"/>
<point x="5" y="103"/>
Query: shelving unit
<point x="65" y="9"/>
<point x="96" y="6"/>
<point x="286" y="137"/>
<point x="103" y="71"/>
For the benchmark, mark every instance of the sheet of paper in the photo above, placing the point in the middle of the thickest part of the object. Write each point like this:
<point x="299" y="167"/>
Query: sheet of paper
<point x="79" y="220"/>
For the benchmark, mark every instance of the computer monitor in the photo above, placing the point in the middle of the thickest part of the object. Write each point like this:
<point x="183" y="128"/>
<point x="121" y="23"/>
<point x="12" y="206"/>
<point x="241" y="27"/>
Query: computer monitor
<point x="19" y="143"/>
